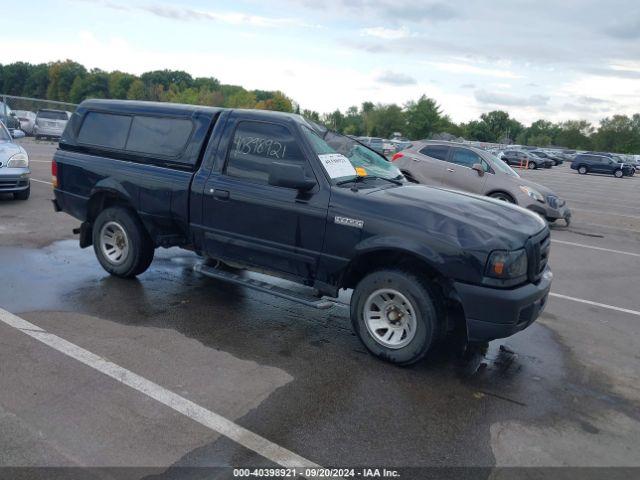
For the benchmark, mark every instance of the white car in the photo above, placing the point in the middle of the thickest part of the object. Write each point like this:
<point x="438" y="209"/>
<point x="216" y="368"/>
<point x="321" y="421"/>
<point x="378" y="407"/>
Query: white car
<point x="50" y="123"/>
<point x="27" y="120"/>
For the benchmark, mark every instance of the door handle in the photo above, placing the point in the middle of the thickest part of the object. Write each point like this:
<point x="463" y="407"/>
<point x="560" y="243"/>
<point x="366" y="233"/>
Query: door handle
<point x="219" y="194"/>
<point x="450" y="170"/>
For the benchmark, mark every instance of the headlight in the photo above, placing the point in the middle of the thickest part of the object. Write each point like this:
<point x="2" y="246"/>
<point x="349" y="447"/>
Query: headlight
<point x="19" y="160"/>
<point x="505" y="265"/>
<point x="536" y="195"/>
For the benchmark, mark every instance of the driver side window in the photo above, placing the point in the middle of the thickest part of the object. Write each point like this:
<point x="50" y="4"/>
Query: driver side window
<point x="256" y="145"/>
<point x="465" y="158"/>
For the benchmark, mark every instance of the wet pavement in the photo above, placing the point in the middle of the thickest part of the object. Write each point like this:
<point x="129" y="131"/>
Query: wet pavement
<point x="563" y="392"/>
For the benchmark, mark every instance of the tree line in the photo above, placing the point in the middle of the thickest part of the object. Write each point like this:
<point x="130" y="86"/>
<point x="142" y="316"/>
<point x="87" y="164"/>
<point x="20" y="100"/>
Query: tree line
<point x="423" y="118"/>
<point x="69" y="81"/>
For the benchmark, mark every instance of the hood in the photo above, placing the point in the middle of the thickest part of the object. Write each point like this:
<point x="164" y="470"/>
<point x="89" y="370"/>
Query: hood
<point x="9" y="149"/>
<point x="468" y="220"/>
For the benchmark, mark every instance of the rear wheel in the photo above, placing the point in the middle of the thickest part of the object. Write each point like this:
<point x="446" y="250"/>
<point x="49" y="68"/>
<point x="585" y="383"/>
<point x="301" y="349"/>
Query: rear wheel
<point x="582" y="170"/>
<point x="121" y="243"/>
<point x="394" y="313"/>
<point x="618" y="174"/>
<point x="505" y="197"/>
<point x="23" y="195"/>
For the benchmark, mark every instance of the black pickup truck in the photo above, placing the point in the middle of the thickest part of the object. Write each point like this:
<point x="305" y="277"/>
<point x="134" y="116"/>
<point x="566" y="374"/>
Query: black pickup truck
<point x="275" y="193"/>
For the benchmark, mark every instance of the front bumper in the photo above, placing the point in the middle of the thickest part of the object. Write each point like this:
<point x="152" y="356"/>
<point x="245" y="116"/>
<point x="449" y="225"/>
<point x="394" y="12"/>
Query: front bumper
<point x="563" y="213"/>
<point x="14" y="179"/>
<point x="494" y="313"/>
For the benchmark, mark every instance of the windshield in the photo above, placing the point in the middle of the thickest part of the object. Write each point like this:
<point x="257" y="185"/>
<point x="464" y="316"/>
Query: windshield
<point x="332" y="149"/>
<point x="4" y="109"/>
<point x="500" y="165"/>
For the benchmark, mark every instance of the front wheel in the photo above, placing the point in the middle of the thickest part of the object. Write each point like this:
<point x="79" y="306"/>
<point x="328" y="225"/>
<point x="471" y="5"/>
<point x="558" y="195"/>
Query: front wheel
<point x="532" y="166"/>
<point x="503" y="197"/>
<point x="121" y="243"/>
<point x="618" y="174"/>
<point x="394" y="313"/>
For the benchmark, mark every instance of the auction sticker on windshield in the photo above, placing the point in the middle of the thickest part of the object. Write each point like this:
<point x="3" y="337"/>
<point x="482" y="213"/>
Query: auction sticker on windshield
<point x="337" y="165"/>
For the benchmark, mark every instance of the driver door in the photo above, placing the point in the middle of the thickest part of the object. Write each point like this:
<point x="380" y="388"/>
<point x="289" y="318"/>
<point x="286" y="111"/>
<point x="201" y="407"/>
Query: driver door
<point x="459" y="175"/>
<point x="249" y="221"/>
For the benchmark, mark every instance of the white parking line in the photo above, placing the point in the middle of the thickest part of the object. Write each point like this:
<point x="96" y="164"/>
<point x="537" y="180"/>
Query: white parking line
<point x="41" y="181"/>
<point x="40" y="161"/>
<point x="209" y="419"/>
<point x="596" y="304"/>
<point x="562" y="242"/>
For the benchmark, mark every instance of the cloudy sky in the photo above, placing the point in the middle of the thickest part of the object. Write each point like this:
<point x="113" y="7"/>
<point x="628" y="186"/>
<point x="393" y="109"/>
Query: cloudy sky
<point x="536" y="59"/>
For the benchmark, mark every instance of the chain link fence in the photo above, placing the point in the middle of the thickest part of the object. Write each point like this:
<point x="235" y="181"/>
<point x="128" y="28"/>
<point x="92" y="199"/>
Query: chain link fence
<point x="42" y="119"/>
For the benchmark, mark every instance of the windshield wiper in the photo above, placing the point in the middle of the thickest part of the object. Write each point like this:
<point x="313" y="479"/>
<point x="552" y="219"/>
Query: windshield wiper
<point x="360" y="179"/>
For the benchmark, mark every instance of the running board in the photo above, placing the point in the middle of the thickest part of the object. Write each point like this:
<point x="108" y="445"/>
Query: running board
<point x="307" y="300"/>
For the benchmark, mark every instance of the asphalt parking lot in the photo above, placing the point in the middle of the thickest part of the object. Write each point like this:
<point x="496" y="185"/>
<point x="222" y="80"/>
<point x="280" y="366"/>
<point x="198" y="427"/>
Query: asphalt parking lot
<point x="215" y="357"/>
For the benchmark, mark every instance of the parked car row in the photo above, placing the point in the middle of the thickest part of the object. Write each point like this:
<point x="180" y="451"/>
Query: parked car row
<point x="45" y="123"/>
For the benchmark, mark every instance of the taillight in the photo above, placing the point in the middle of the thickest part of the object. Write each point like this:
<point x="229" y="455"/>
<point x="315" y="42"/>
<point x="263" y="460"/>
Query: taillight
<point x="54" y="174"/>
<point x="397" y="156"/>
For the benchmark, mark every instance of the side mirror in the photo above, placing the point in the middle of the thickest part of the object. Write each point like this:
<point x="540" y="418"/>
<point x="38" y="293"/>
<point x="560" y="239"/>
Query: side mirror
<point x="17" y="133"/>
<point x="290" y="175"/>
<point x="478" y="168"/>
<point x="12" y="114"/>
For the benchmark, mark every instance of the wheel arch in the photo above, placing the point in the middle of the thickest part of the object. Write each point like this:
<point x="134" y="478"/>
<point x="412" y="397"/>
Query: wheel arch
<point x="105" y="195"/>
<point x="398" y="258"/>
<point x="370" y="259"/>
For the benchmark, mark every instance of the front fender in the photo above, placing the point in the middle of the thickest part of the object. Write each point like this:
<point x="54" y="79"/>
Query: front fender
<point x="450" y="261"/>
<point x="399" y="243"/>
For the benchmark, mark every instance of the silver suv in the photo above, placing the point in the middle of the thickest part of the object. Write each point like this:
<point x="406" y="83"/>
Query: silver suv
<point x="50" y="123"/>
<point x="461" y="167"/>
<point x="14" y="167"/>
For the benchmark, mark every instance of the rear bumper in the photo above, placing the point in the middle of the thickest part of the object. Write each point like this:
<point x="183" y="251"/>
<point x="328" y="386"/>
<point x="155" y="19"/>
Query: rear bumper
<point x="493" y="313"/>
<point x="74" y="205"/>
<point x="47" y="131"/>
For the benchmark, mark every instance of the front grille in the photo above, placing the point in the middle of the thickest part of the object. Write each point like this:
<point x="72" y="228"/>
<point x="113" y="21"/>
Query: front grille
<point x="8" y="183"/>
<point x="555" y="202"/>
<point x="538" y="249"/>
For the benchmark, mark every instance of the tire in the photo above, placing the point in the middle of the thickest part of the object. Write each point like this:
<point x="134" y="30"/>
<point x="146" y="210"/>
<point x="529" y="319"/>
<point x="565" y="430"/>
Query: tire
<point x="582" y="170"/>
<point x="38" y="137"/>
<point x="134" y="252"/>
<point x="618" y="174"/>
<point x="505" y="197"/>
<point x="406" y="294"/>
<point x="532" y="166"/>
<point x="23" y="195"/>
